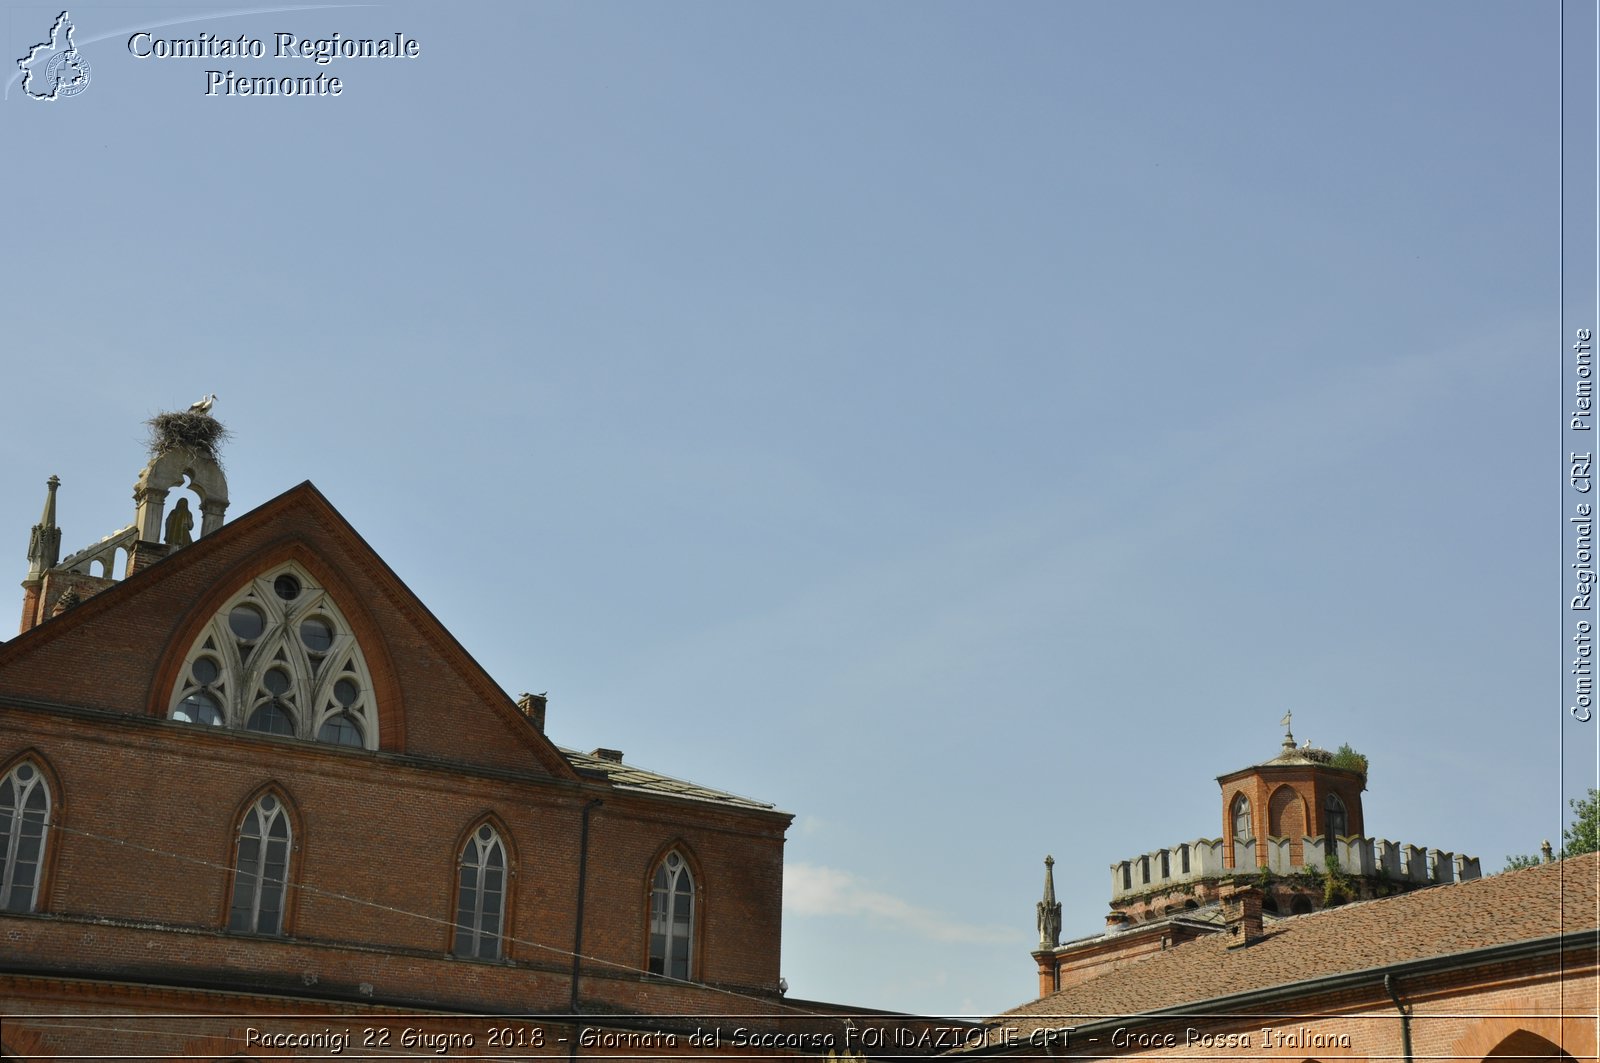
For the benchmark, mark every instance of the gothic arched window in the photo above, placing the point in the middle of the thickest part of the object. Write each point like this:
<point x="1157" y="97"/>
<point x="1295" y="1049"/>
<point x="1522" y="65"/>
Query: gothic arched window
<point x="1242" y="830"/>
<point x="671" y="918"/>
<point x="1335" y="821"/>
<point x="481" y="896"/>
<point x="25" y="820"/>
<point x="261" y="869"/>
<point x="279" y="658"/>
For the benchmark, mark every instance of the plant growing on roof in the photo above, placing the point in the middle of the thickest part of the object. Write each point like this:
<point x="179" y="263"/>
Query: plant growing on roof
<point x="1347" y="758"/>
<point x="1334" y="881"/>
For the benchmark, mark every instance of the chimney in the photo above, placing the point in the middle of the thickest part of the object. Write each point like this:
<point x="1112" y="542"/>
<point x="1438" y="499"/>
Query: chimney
<point x="533" y="706"/>
<point x="1116" y="920"/>
<point x="1241" y="910"/>
<point x="613" y="755"/>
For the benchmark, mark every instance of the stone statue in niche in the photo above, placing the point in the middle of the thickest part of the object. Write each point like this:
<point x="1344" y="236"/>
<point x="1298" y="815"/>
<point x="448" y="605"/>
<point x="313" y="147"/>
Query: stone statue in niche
<point x="180" y="522"/>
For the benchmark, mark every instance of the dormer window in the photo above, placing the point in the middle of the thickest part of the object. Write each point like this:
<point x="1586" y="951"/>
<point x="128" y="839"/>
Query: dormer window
<point x="280" y="659"/>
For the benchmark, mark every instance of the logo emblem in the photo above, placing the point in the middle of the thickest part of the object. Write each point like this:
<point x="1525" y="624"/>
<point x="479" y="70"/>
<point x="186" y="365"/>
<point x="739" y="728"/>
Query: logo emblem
<point x="55" y="68"/>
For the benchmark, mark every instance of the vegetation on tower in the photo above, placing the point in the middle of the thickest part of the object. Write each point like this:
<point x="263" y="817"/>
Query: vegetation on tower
<point x="1349" y="759"/>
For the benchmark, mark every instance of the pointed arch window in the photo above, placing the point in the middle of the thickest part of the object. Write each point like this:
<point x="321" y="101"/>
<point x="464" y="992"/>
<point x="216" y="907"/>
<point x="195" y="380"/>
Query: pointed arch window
<point x="481" y="896"/>
<point x="671" y="918"/>
<point x="261" y="869"/>
<point x="25" y="819"/>
<point x="280" y="658"/>
<point x="1242" y="830"/>
<point x="1335" y="820"/>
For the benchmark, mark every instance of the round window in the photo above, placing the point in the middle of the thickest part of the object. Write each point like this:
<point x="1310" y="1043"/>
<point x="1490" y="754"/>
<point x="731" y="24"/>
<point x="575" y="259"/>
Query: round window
<point x="276" y="681"/>
<point x="205" y="671"/>
<point x="287" y="587"/>
<point x="246" y="621"/>
<point x="317" y="634"/>
<point x="346" y="692"/>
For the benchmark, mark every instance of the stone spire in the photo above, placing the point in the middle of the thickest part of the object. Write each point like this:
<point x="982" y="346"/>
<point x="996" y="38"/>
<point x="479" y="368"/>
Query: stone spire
<point x="1288" y="735"/>
<point x="1049" y="909"/>
<point x="44" y="545"/>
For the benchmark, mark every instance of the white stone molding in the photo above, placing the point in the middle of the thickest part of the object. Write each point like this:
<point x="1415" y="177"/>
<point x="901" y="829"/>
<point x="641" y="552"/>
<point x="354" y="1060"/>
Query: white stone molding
<point x="270" y="652"/>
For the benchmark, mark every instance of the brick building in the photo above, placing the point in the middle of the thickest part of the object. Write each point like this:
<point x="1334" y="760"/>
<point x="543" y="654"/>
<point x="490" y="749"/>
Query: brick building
<point x="1488" y="968"/>
<point x="1285" y="823"/>
<point x="245" y="775"/>
<point x="1294" y="936"/>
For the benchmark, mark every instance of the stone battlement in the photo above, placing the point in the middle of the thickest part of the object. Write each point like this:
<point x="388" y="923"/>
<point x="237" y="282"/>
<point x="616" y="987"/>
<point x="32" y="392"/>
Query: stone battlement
<point x="1202" y="859"/>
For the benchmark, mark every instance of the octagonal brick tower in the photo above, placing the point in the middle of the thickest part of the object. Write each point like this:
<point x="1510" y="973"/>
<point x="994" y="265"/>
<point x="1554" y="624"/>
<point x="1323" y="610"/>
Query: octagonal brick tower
<point x="1297" y="794"/>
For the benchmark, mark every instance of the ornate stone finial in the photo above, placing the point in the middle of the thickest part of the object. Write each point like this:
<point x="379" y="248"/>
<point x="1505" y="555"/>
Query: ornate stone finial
<point x="1288" y="734"/>
<point x="69" y="600"/>
<point x="1049" y="909"/>
<point x="180" y="522"/>
<point x="44" y="545"/>
<point x="1547" y="852"/>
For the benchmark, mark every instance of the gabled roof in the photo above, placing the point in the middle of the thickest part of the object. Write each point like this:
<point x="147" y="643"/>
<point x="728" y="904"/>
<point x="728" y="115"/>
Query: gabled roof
<point x="628" y="777"/>
<point x="1441" y="921"/>
<point x="135" y="633"/>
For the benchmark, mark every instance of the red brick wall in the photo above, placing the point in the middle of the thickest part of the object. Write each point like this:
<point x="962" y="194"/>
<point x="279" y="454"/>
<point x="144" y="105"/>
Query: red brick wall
<point x="1311" y="784"/>
<point x="381" y="830"/>
<point x="146" y="811"/>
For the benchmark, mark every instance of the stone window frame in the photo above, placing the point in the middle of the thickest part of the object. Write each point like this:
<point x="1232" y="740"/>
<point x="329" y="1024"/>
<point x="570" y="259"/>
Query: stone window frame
<point x="475" y="927"/>
<point x="230" y="675"/>
<point x="673" y="882"/>
<point x="268" y="823"/>
<point x="23" y="792"/>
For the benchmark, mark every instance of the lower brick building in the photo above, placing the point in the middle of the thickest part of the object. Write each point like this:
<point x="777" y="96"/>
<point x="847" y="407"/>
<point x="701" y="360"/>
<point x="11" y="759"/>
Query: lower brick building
<point x="1294" y="936"/>
<point x="1489" y="968"/>
<point x="255" y="799"/>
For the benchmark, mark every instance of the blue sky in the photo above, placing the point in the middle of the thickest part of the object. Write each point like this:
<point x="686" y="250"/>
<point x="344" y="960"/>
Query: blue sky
<point x="969" y="427"/>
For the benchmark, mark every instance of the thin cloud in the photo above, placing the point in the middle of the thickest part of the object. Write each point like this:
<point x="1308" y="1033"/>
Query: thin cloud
<point x="812" y="890"/>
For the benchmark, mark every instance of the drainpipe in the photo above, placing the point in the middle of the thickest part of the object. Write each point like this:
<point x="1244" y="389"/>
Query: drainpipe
<point x="577" y="931"/>
<point x="1405" y="1016"/>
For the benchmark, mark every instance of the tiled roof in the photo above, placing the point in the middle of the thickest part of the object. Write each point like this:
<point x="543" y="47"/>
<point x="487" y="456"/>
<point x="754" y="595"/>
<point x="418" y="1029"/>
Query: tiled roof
<point x="628" y="777"/>
<point x="1503" y="909"/>
<point x="1206" y="915"/>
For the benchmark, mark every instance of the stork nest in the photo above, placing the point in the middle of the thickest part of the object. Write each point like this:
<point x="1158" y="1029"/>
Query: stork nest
<point x="200" y="433"/>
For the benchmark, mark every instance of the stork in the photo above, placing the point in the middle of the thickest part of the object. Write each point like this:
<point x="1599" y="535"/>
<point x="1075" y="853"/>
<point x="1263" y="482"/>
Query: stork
<point x="204" y="405"/>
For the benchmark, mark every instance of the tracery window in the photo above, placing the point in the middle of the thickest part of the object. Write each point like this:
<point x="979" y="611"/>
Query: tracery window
<point x="671" y="917"/>
<point x="261" y="869"/>
<point x="25" y="819"/>
<point x="480" y="896"/>
<point x="1242" y="830"/>
<point x="279" y="658"/>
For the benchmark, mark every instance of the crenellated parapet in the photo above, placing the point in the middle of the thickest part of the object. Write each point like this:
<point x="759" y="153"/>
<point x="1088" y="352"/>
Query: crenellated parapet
<point x="1369" y="858"/>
